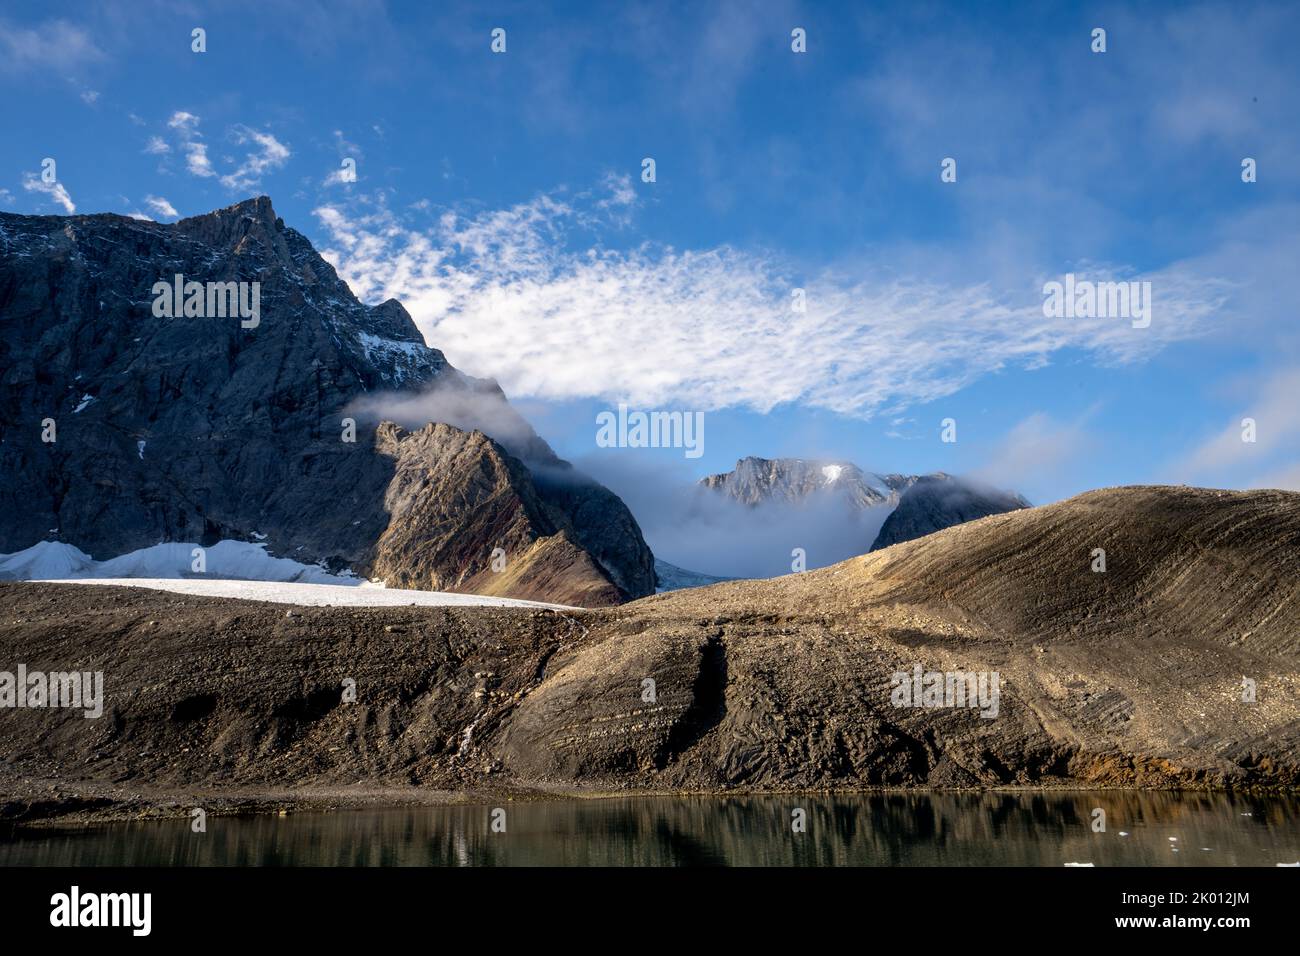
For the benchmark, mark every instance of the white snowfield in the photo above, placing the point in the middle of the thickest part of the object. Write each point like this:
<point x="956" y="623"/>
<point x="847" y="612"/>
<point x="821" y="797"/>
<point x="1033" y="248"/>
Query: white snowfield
<point x="313" y="595"/>
<point x="241" y="560"/>
<point x="237" y="569"/>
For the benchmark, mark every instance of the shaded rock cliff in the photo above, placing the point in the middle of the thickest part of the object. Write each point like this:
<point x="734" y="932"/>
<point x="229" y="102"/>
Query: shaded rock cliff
<point x="208" y="428"/>
<point x="935" y="502"/>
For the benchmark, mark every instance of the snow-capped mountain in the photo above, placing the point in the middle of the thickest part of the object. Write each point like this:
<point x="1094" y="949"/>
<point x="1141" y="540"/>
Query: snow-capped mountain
<point x="121" y="427"/>
<point x="916" y="504"/>
<point x="757" y="481"/>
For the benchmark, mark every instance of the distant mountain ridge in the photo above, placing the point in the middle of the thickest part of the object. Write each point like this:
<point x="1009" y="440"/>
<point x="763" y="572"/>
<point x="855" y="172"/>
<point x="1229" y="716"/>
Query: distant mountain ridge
<point x="199" y="429"/>
<point x="794" y="480"/>
<point x="921" y="504"/>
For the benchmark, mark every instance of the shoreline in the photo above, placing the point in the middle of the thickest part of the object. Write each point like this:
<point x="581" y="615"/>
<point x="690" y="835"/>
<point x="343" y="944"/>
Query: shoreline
<point x="92" y="807"/>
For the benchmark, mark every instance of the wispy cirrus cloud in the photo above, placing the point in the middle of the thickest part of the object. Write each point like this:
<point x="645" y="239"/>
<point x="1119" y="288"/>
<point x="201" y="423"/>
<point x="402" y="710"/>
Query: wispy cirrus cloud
<point x="1039" y="450"/>
<point x="1269" y="416"/>
<point x="55" y="44"/>
<point x="267" y="154"/>
<point x="161" y="206"/>
<point x="510" y="293"/>
<point x="55" y="190"/>
<point x="186" y="128"/>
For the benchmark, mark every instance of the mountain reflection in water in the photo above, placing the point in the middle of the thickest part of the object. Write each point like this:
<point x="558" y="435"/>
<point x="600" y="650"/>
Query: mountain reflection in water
<point x="989" y="829"/>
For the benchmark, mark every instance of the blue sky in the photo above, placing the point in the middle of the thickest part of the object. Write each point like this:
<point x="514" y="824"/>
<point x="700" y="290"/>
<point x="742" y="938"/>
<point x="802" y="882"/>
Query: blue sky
<point x="499" y="196"/>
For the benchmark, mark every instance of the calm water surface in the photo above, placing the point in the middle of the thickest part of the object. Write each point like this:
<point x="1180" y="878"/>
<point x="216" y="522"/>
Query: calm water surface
<point x="866" y="830"/>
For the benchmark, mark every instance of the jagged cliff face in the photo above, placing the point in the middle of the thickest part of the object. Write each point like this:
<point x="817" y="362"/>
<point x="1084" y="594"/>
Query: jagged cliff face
<point x="205" y="428"/>
<point x="454" y="490"/>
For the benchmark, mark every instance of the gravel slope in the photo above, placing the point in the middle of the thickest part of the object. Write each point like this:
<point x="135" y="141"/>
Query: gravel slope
<point x="1128" y="678"/>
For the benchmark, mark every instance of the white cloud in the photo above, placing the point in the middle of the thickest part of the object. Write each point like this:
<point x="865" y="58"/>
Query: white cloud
<point x="55" y="190"/>
<point x="619" y="192"/>
<point x="186" y="126"/>
<point x="270" y="154"/>
<point x="337" y="178"/>
<point x="505" y="293"/>
<point x="157" y="146"/>
<point x="1287" y="478"/>
<point x="55" y="44"/>
<point x="1039" y="450"/>
<point x="346" y="150"/>
<point x="90" y="97"/>
<point x="161" y="206"/>
<point x="1224" y="459"/>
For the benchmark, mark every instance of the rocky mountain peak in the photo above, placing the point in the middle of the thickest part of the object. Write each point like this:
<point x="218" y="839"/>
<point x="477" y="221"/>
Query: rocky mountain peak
<point x="204" y="427"/>
<point x="756" y="481"/>
<point x="248" y="228"/>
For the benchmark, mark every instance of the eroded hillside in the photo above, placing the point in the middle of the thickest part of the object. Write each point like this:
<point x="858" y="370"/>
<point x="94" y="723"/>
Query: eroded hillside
<point x="1132" y="676"/>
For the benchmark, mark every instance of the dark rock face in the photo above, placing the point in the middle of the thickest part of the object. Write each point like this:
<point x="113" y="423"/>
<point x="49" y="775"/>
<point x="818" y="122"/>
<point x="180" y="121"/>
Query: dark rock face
<point x="455" y="497"/>
<point x="935" y="502"/>
<point x="199" y="429"/>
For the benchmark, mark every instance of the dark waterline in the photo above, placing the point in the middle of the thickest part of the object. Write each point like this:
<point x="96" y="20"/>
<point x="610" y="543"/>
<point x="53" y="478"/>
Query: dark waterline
<point x="1001" y="829"/>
